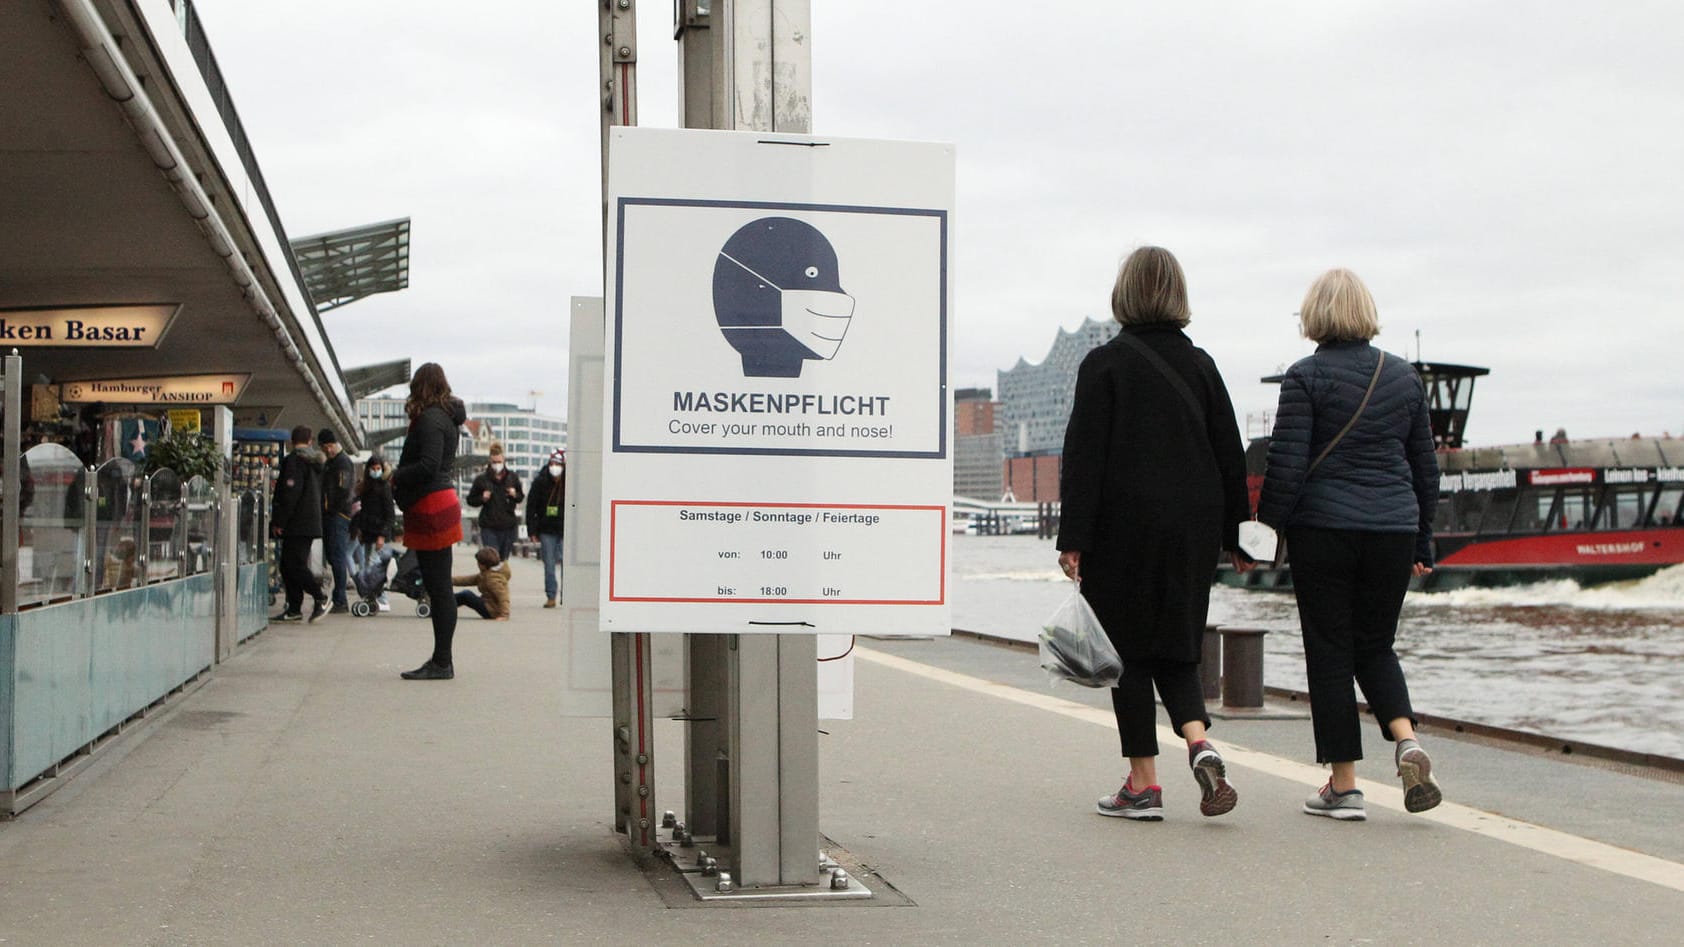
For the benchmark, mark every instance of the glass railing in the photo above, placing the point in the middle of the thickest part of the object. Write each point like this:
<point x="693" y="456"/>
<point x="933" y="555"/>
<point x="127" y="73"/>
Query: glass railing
<point x="118" y="487"/>
<point x="198" y="520"/>
<point x="251" y="527"/>
<point x="164" y="522"/>
<point x="90" y="530"/>
<point x="52" y="524"/>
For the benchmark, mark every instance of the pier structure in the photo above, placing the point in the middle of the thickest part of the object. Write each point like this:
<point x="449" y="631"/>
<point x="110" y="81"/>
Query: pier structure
<point x="307" y="794"/>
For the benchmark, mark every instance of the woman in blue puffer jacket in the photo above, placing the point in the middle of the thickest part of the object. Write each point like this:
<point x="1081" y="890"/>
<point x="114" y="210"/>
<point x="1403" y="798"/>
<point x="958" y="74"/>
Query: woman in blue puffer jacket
<point x="1358" y="522"/>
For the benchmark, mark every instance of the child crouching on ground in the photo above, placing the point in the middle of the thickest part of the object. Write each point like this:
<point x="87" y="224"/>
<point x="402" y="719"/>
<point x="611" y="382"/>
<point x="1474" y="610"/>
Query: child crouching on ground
<point x="492" y="580"/>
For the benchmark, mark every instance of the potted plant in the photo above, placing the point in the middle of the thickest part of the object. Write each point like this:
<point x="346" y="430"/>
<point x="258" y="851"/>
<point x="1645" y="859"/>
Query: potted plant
<point x="188" y="453"/>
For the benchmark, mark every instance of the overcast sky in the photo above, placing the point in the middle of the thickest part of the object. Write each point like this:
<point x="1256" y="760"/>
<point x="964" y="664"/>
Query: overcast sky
<point x="1506" y="177"/>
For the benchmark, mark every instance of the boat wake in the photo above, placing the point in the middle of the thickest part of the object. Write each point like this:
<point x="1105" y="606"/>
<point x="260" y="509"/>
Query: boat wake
<point x="1663" y="590"/>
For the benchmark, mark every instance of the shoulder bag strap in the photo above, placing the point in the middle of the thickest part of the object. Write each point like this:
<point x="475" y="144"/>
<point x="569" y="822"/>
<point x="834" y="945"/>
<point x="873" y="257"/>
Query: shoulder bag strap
<point x="1352" y="422"/>
<point x="1170" y="375"/>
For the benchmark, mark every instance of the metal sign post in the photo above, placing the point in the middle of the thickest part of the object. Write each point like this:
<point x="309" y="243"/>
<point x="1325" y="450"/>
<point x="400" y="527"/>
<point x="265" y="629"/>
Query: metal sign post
<point x="631" y="659"/>
<point x="753" y="727"/>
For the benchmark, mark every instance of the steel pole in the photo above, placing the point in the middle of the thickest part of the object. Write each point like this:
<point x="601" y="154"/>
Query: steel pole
<point x="633" y="693"/>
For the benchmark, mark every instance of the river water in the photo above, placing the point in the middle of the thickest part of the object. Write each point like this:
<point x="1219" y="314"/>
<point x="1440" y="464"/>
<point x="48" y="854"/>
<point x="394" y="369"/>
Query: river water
<point x="1603" y="664"/>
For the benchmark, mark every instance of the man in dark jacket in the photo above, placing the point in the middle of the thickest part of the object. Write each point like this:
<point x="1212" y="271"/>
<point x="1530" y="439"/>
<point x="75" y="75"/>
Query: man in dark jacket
<point x="545" y="515"/>
<point x="296" y="517"/>
<point x="496" y="491"/>
<point x="338" y="475"/>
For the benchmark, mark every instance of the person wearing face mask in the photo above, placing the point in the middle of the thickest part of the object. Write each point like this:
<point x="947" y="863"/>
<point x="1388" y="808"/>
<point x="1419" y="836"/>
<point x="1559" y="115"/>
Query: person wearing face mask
<point x="497" y="492"/>
<point x="371" y="527"/>
<point x="545" y="514"/>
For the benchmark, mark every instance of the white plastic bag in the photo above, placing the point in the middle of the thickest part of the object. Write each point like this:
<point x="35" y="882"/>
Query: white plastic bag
<point x="1258" y="541"/>
<point x="1075" y="647"/>
<point x="319" y="566"/>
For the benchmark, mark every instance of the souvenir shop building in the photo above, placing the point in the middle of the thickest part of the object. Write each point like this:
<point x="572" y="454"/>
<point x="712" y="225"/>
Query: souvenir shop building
<point x="147" y="290"/>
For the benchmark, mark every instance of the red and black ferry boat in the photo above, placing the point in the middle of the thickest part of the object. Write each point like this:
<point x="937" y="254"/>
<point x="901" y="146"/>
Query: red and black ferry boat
<point x="1588" y="510"/>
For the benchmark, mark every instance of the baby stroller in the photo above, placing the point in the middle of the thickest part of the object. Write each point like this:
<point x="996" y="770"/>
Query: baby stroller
<point x="408" y="583"/>
<point x="372" y="583"/>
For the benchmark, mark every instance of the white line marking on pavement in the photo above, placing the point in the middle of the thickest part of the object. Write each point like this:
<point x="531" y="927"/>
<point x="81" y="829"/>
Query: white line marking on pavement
<point x="1526" y="835"/>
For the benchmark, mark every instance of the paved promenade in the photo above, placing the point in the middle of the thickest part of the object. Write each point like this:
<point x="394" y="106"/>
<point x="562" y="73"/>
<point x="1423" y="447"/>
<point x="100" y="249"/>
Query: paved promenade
<point x="306" y="795"/>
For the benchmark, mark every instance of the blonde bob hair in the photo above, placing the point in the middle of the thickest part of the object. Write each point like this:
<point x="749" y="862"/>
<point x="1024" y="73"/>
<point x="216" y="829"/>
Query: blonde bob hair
<point x="1150" y="289"/>
<point x="1338" y="308"/>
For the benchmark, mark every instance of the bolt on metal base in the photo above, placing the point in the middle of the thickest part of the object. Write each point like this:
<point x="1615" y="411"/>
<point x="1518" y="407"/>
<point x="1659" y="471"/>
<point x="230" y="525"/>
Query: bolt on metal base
<point x="698" y="862"/>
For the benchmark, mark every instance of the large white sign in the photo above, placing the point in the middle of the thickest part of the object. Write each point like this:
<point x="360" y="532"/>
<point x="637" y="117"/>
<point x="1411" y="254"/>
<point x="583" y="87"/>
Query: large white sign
<point x="141" y="326"/>
<point x="778" y="444"/>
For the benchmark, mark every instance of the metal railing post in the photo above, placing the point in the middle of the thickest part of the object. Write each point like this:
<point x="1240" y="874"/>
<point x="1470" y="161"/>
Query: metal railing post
<point x="11" y="478"/>
<point x="90" y="530"/>
<point x="143" y="537"/>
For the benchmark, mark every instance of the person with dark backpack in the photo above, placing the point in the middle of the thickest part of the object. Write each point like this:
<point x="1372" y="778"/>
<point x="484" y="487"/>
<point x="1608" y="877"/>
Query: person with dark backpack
<point x="546" y="514"/>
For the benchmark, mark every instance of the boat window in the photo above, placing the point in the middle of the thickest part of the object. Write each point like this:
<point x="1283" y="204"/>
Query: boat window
<point x="1499" y="511"/>
<point x="1469" y="509"/>
<point x="1549" y="510"/>
<point x="1531" y="513"/>
<point x="1577" y="509"/>
<point x="1441" y="514"/>
<point x="1622" y="507"/>
<point x="1667" y="511"/>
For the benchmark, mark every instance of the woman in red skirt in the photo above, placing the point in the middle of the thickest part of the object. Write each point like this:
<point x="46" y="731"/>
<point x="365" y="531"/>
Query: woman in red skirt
<point x="423" y="486"/>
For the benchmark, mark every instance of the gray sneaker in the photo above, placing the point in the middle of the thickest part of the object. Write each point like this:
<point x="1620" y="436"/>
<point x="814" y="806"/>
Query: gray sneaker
<point x="1145" y="805"/>
<point x="1420" y="790"/>
<point x="1345" y="806"/>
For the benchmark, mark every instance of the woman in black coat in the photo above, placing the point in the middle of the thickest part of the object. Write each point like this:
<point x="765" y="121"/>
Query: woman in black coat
<point x="1353" y="479"/>
<point x="424" y="488"/>
<point x="1152" y="490"/>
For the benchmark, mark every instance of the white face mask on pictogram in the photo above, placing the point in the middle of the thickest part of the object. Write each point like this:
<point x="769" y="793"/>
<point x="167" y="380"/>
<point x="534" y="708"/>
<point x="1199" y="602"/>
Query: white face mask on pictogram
<point x="816" y="318"/>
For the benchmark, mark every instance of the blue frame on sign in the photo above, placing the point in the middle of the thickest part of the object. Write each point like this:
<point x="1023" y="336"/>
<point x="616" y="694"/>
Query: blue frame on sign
<point x="619" y="304"/>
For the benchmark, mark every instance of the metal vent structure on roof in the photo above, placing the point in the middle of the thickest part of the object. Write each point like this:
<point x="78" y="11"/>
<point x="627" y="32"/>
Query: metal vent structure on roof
<point x="365" y="380"/>
<point x="345" y="265"/>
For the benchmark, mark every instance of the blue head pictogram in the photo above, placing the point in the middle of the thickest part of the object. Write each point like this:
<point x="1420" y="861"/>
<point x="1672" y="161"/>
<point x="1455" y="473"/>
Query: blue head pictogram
<point x="778" y="298"/>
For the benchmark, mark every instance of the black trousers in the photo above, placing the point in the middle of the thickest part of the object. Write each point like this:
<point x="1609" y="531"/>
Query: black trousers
<point x="1350" y="586"/>
<point x="441" y="597"/>
<point x="473" y="601"/>
<point x="1137" y="713"/>
<point x="296" y="576"/>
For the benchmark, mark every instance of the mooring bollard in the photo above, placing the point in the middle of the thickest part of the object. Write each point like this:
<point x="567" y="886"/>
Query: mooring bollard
<point x="1210" y="664"/>
<point x="1242" y="668"/>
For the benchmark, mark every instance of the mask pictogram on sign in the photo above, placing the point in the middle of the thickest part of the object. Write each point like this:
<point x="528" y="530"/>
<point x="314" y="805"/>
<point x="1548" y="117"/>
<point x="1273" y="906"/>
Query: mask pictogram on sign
<point x="778" y="298"/>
